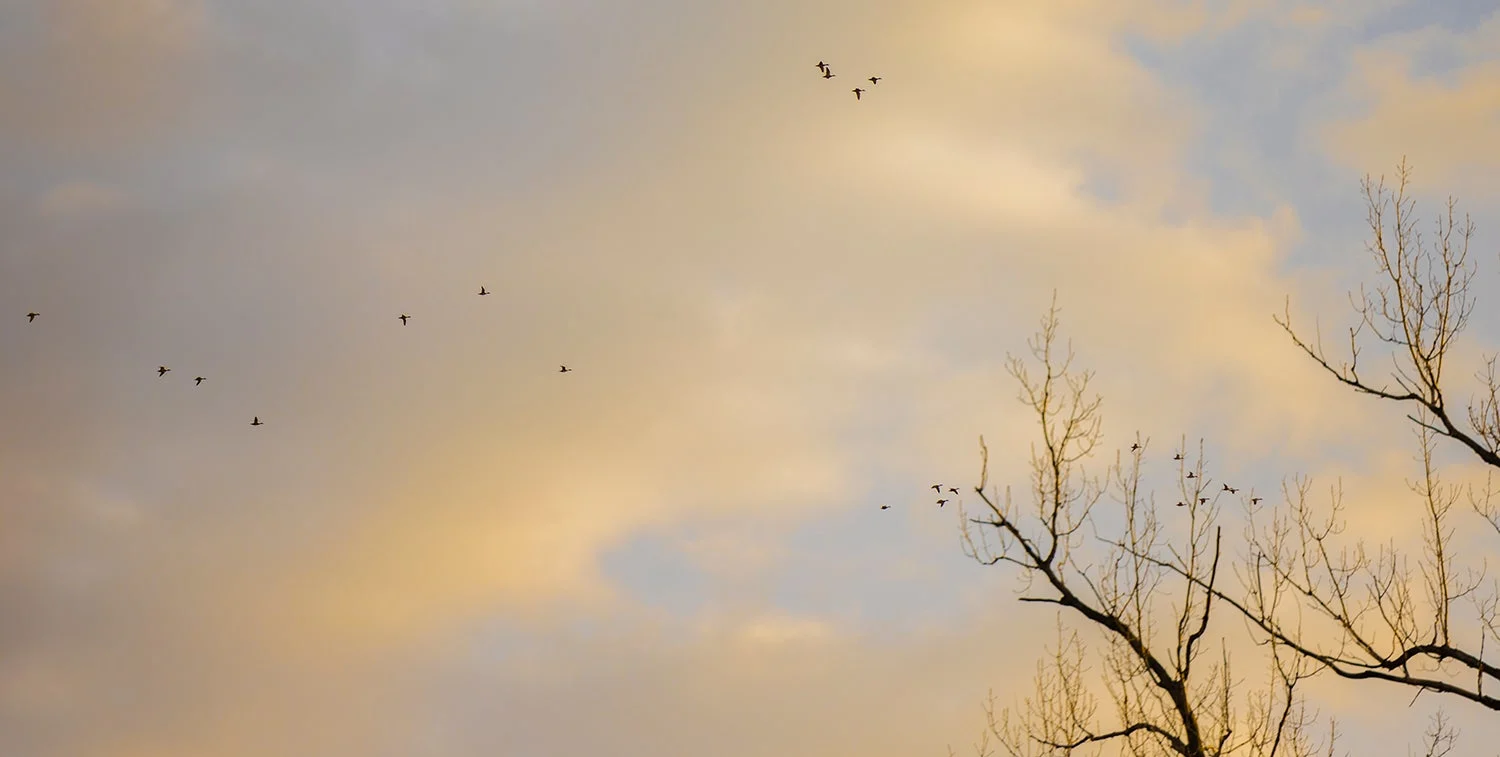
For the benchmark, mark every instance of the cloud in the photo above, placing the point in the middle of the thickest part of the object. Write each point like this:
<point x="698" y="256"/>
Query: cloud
<point x="92" y="73"/>
<point x="1446" y="122"/>
<point x="779" y="303"/>
<point x="794" y="696"/>
<point x="79" y="199"/>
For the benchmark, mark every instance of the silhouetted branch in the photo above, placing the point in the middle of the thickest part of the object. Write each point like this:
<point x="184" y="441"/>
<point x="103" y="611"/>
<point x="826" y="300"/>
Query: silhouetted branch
<point x="1164" y="701"/>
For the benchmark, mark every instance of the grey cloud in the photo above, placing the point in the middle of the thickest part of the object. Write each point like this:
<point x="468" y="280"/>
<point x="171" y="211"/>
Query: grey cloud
<point x="755" y="285"/>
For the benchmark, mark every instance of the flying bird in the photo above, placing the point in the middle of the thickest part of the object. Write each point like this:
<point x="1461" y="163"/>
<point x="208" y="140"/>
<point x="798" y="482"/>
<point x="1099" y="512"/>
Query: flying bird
<point x="1203" y="500"/>
<point x="483" y="291"/>
<point x="1192" y="474"/>
<point x="565" y="369"/>
<point x="1255" y="500"/>
<point x="937" y="488"/>
<point x="828" y="73"/>
<point x="256" y="421"/>
<point x="822" y="66"/>
<point x="403" y="318"/>
<point x="31" y="317"/>
<point x="1231" y="489"/>
<point x="1177" y="456"/>
<point x="885" y="507"/>
<point x="161" y="370"/>
<point x="875" y="79"/>
<point x="1182" y="504"/>
<point x="942" y="502"/>
<point x="953" y="490"/>
<point x="197" y="380"/>
<point x="1135" y="447"/>
<point x="857" y="92"/>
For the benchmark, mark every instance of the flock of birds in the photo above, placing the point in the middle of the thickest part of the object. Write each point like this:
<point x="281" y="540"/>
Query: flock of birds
<point x="162" y="370"/>
<point x="858" y="91"/>
<point x="1193" y="475"/>
<point x="828" y="73"/>
<point x="1134" y="448"/>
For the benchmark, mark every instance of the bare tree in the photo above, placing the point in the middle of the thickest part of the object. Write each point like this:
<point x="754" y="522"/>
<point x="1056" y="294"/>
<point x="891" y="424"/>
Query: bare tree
<point x="1387" y="622"/>
<point x="1150" y="599"/>
<point x="1440" y="738"/>
<point x="1315" y="602"/>
<point x="1421" y="305"/>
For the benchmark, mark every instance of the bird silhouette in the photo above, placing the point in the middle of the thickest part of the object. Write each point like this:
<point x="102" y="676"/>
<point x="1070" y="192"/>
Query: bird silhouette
<point x="197" y="380"/>
<point x="31" y="317"/>
<point x="828" y="73"/>
<point x="1182" y="504"/>
<point x="1135" y="447"/>
<point x="1231" y="489"/>
<point x="565" y="369"/>
<point x="942" y="502"/>
<point x="1177" y="456"/>
<point x="1255" y="500"/>
<point x="161" y="370"/>
<point x="937" y="488"/>
<point x="875" y="79"/>
<point x="822" y="66"/>
<point x="1192" y="474"/>
<point x="483" y="291"/>
<point x="403" y="318"/>
<point x="952" y="490"/>
<point x="857" y="92"/>
<point x="1203" y="500"/>
<point x="256" y="421"/>
<point x="885" y="507"/>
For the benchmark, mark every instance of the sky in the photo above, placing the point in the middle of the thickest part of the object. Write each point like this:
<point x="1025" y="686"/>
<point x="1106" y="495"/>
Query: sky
<point x="783" y="308"/>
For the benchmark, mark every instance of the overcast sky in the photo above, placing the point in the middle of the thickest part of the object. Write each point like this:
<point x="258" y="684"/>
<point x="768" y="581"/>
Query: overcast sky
<point x="783" y="308"/>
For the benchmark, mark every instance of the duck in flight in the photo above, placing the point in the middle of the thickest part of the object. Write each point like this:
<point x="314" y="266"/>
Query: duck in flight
<point x="197" y="380"/>
<point x="31" y="317"/>
<point x="857" y="92"/>
<point x="404" y="317"/>
<point x="1231" y="489"/>
<point x="1255" y="500"/>
<point x="875" y="79"/>
<point x="823" y="67"/>
<point x="161" y="370"/>
<point x="1177" y="456"/>
<point x="1203" y="500"/>
<point x="1135" y="447"/>
<point x="942" y="502"/>
<point x="828" y="73"/>
<point x="1192" y="474"/>
<point x="483" y="291"/>
<point x="937" y="488"/>
<point x="953" y="490"/>
<point x="885" y="507"/>
<point x="565" y="369"/>
<point x="256" y="421"/>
